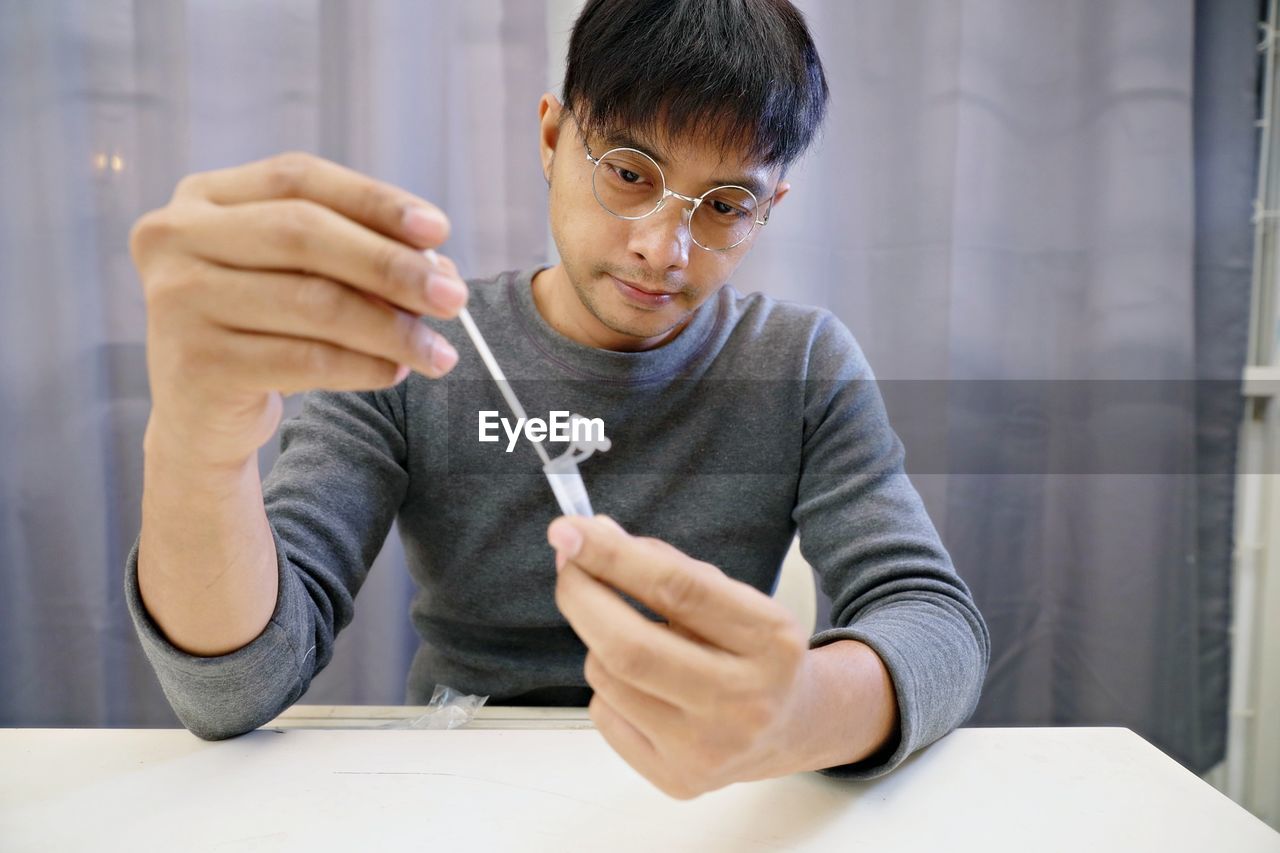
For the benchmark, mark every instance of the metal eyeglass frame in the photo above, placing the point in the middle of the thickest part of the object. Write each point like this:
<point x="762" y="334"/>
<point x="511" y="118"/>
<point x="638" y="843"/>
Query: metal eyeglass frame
<point x="667" y="192"/>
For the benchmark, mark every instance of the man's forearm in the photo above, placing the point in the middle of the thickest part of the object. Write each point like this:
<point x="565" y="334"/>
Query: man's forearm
<point x="206" y="557"/>
<point x="848" y="712"/>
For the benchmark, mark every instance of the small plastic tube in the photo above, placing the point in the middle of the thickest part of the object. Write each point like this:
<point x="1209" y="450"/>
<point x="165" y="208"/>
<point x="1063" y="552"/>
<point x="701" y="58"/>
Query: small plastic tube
<point x="566" y="482"/>
<point x="562" y="472"/>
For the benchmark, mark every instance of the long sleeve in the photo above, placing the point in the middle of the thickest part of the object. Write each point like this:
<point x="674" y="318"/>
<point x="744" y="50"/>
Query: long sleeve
<point x="330" y="499"/>
<point x="865" y="530"/>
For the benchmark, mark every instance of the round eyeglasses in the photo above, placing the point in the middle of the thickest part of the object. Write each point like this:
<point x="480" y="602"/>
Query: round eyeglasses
<point x="630" y="185"/>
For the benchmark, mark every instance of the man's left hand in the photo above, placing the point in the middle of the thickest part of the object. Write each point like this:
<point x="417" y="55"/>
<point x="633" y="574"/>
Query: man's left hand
<point x="702" y="702"/>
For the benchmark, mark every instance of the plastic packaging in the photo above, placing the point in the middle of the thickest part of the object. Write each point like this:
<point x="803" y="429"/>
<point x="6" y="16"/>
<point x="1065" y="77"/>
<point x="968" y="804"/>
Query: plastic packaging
<point x="449" y="709"/>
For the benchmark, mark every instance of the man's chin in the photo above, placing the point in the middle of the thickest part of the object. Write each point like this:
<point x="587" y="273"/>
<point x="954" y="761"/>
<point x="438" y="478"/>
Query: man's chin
<point x="640" y="331"/>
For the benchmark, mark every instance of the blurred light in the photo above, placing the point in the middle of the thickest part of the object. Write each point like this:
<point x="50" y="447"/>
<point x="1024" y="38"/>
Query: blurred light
<point x="103" y="161"/>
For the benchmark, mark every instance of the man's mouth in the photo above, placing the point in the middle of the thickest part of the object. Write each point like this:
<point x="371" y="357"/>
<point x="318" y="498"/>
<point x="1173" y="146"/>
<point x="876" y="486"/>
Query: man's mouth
<point x="652" y="291"/>
<point x="640" y="297"/>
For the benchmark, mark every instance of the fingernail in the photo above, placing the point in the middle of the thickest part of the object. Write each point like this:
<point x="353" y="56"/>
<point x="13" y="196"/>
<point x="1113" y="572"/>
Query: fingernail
<point x="565" y="538"/>
<point x="401" y="374"/>
<point x="423" y="223"/>
<point x="448" y="293"/>
<point x="441" y="263"/>
<point x="443" y="356"/>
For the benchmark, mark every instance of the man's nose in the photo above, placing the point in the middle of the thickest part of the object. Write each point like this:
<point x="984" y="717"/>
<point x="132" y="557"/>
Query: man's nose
<point x="663" y="238"/>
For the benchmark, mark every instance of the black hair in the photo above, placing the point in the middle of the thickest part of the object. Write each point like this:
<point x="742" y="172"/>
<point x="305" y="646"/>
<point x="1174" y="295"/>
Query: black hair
<point x="743" y="74"/>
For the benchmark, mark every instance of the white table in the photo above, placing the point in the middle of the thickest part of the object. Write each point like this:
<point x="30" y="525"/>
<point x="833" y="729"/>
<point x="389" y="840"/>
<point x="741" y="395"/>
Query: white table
<point x="542" y="779"/>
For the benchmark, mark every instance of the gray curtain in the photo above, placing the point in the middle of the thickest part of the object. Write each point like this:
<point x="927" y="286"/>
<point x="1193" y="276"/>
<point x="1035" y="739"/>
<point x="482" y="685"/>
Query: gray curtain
<point x="1035" y="218"/>
<point x="107" y="105"/>
<point x="1005" y="208"/>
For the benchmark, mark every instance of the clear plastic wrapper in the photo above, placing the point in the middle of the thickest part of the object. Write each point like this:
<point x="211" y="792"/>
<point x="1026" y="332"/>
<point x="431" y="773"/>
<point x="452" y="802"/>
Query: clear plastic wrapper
<point x="448" y="709"/>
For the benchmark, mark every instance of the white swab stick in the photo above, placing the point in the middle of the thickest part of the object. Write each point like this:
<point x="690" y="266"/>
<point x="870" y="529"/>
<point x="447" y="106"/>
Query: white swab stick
<point x="496" y="372"/>
<point x="492" y="363"/>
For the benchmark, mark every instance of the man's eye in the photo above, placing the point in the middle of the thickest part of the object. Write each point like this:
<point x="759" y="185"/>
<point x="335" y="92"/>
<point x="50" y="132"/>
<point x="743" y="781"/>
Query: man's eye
<point x="628" y="176"/>
<point x="726" y="209"/>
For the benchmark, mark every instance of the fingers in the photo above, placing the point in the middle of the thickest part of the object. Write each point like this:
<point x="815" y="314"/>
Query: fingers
<point x="646" y="654"/>
<point x="317" y="308"/>
<point x="378" y="206"/>
<point x="649" y="714"/>
<point x="626" y="739"/>
<point x="728" y="613"/>
<point x="292" y="365"/>
<point x="635" y="748"/>
<point x="286" y="275"/>
<point x="303" y="236"/>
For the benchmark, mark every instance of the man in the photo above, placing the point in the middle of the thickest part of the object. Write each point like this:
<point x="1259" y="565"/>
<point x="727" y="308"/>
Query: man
<point x="734" y="420"/>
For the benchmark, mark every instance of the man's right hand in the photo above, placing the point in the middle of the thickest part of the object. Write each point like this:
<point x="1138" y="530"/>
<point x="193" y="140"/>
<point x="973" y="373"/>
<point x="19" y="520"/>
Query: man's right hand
<point x="279" y="276"/>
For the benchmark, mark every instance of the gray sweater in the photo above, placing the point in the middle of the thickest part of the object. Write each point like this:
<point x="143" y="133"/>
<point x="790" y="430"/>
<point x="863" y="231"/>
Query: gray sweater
<point x="761" y="417"/>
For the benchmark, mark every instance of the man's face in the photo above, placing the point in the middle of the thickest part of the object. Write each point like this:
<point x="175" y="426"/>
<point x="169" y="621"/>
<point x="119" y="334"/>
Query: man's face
<point x="607" y="259"/>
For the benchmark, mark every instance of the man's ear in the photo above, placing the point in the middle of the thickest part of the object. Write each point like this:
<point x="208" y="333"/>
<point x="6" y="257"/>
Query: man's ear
<point x="783" y="189"/>
<point x="549" y="116"/>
